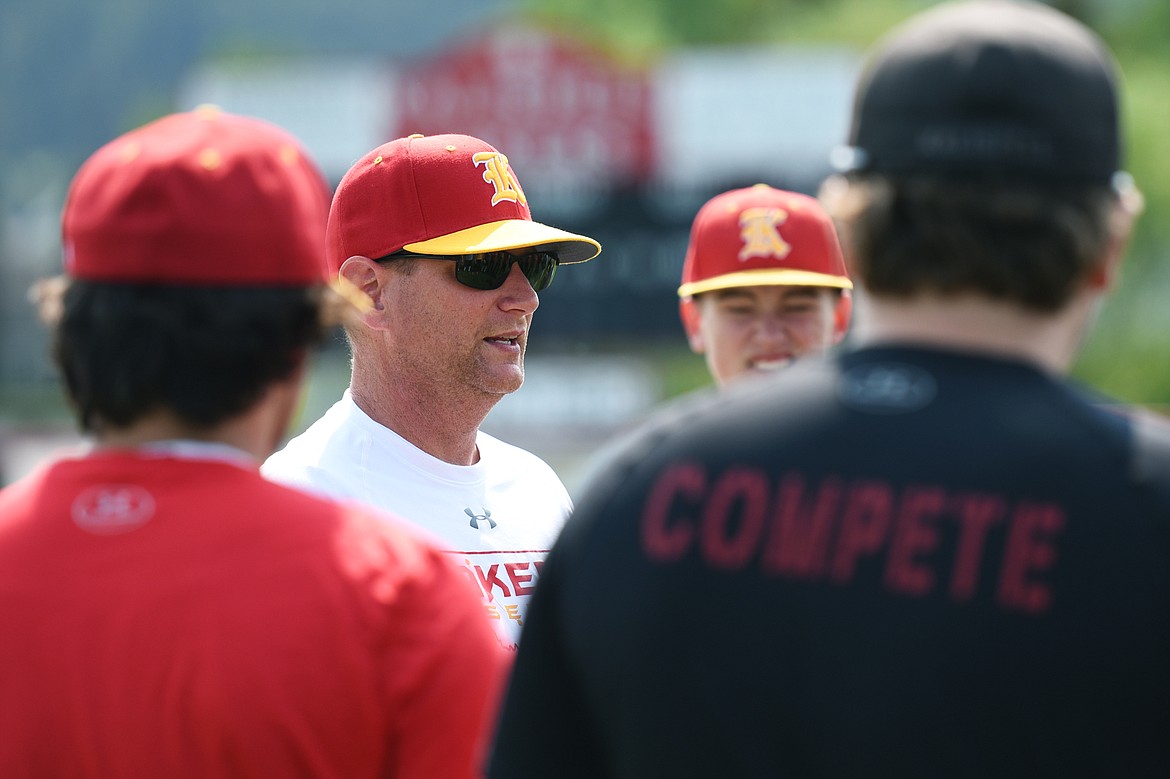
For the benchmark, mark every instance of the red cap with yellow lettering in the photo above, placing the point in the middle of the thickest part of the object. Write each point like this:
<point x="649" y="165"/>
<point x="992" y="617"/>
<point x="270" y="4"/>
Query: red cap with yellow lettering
<point x="439" y="194"/>
<point x="762" y="236"/>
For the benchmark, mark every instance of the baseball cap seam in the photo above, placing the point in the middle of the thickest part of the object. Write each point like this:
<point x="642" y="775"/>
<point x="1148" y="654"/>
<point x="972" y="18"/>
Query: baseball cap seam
<point x="417" y="198"/>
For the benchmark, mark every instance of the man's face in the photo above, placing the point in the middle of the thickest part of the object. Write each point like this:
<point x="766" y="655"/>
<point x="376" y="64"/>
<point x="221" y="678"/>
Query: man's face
<point x="445" y="337"/>
<point x="747" y="330"/>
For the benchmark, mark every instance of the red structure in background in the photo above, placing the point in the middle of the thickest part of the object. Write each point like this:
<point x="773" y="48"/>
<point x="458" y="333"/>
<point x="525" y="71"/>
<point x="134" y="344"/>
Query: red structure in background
<point x="567" y="114"/>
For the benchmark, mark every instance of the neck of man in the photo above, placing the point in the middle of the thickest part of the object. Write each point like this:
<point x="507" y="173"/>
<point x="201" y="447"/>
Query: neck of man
<point x="971" y="323"/>
<point x="442" y="424"/>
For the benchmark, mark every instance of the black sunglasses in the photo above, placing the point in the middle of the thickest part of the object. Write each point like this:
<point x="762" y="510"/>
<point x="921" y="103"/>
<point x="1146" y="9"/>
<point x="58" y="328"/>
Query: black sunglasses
<point x="489" y="270"/>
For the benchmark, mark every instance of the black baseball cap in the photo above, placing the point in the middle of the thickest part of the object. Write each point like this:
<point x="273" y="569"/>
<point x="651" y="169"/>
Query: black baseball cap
<point x="988" y="90"/>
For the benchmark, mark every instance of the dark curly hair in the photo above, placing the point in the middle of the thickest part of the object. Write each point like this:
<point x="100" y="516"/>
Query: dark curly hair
<point x="1029" y="245"/>
<point x="204" y="353"/>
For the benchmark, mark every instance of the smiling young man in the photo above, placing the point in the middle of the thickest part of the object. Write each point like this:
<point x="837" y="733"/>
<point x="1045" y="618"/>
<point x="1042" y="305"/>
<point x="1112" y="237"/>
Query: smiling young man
<point x="436" y="234"/>
<point x="763" y="282"/>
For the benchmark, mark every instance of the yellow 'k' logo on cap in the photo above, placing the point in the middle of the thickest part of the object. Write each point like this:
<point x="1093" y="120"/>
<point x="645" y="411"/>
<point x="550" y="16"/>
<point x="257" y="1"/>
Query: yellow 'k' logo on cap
<point x="497" y="173"/>
<point x="759" y="229"/>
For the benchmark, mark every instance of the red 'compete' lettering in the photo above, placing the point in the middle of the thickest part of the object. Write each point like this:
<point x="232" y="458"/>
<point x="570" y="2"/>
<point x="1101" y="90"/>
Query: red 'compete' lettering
<point x="724" y="547"/>
<point x="864" y="524"/>
<point x="800" y="535"/>
<point x="826" y="531"/>
<point x="915" y="535"/>
<point x="1029" y="549"/>
<point x="976" y="513"/>
<point x="663" y="543"/>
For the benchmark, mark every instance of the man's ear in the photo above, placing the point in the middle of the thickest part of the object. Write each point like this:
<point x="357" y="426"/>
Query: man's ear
<point x="688" y="311"/>
<point x="842" y="315"/>
<point x="363" y="278"/>
<point x="1129" y="207"/>
<point x="1104" y="274"/>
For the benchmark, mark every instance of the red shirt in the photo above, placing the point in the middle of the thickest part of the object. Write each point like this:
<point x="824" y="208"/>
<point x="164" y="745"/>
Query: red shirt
<point x="184" y="617"/>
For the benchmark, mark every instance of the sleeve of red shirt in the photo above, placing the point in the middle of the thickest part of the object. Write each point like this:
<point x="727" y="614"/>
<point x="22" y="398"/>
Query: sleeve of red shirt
<point x="445" y="670"/>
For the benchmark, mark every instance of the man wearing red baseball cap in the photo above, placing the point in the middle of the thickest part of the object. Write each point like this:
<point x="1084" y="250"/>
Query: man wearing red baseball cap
<point x="166" y="611"/>
<point x="763" y="282"/>
<point x="435" y="232"/>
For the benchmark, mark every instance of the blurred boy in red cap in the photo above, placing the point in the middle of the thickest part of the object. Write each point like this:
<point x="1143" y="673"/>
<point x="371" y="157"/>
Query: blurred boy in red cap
<point x="763" y="282"/>
<point x="165" y="611"/>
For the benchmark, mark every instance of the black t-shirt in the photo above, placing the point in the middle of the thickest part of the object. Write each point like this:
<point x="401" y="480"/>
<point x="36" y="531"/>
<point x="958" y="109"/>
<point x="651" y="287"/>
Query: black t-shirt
<point x="896" y="563"/>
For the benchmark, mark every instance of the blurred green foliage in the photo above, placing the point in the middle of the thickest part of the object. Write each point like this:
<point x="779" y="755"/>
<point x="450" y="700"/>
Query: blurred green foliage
<point x="1128" y="353"/>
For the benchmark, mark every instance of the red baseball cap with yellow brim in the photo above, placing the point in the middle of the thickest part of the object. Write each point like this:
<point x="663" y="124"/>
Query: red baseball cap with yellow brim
<point x="762" y="236"/>
<point x="439" y="194"/>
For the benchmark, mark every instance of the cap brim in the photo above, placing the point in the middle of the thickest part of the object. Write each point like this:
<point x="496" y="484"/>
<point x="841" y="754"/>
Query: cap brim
<point x="508" y="234"/>
<point x="765" y="278"/>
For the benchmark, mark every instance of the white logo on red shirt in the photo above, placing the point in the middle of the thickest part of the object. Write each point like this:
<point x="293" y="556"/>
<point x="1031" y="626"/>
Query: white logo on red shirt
<point x="113" y="508"/>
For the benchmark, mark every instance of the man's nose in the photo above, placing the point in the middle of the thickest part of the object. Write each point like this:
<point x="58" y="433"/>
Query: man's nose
<point x="518" y="292"/>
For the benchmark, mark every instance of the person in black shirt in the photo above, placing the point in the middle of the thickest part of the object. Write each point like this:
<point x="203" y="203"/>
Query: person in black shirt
<point x="933" y="555"/>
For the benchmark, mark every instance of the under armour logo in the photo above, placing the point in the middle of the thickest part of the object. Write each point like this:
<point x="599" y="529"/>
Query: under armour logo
<point x="477" y="518"/>
<point x="113" y="508"/>
<point x="498" y="173"/>
<point x="759" y="228"/>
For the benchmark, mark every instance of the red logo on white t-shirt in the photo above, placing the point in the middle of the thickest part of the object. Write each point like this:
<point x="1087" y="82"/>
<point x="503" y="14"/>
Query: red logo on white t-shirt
<point x="113" y="508"/>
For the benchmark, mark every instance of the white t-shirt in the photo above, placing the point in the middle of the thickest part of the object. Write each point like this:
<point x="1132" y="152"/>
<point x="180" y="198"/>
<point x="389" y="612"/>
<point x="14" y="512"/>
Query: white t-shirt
<point x="498" y="518"/>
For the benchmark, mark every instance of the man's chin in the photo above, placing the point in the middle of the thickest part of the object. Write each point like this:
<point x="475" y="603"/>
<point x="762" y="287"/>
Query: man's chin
<point x="503" y="382"/>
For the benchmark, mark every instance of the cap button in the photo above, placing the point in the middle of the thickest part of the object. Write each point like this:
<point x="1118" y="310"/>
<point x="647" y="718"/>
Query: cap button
<point x="210" y="159"/>
<point x="131" y="151"/>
